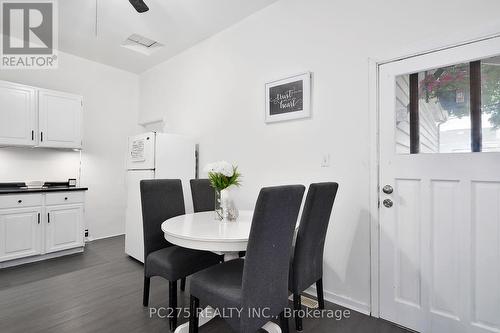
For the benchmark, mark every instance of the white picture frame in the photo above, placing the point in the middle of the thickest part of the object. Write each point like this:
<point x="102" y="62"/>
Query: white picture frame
<point x="288" y="98"/>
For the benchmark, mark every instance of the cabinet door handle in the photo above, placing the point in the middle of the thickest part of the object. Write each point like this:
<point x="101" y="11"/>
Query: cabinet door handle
<point x="32" y="135"/>
<point x="48" y="217"/>
<point x="41" y="136"/>
<point x="38" y="218"/>
<point x="66" y="198"/>
<point x="19" y="201"/>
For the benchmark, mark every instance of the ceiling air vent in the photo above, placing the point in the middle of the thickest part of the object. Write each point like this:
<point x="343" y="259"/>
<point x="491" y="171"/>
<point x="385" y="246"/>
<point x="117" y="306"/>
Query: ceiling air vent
<point x="141" y="44"/>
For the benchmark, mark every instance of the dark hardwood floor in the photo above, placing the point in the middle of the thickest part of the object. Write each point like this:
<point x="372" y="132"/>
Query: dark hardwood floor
<point x="101" y="291"/>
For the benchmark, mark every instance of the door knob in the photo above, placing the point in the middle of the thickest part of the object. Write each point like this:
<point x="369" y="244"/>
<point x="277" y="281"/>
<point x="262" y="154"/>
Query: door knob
<point x="387" y="189"/>
<point x="387" y="203"/>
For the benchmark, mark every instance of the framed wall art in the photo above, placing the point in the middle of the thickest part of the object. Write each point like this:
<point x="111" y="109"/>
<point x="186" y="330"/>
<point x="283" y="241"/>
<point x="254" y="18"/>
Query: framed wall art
<point x="288" y="98"/>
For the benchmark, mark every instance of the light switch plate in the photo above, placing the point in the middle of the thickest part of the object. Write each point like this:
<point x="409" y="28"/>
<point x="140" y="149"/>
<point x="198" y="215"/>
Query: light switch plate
<point x="325" y="161"/>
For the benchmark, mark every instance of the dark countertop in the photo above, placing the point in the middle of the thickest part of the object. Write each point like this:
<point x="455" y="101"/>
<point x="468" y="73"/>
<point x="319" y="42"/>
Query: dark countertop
<point x="21" y="190"/>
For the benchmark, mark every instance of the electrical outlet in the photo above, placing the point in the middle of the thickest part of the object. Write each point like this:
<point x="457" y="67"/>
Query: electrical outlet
<point x="325" y="161"/>
<point x="86" y="232"/>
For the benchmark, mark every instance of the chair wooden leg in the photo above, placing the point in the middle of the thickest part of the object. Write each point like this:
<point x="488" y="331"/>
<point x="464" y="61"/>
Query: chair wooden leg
<point x="172" y="304"/>
<point x="321" y="297"/>
<point x="194" y="304"/>
<point x="283" y="323"/>
<point x="297" y="306"/>
<point x="145" y="296"/>
<point x="183" y="284"/>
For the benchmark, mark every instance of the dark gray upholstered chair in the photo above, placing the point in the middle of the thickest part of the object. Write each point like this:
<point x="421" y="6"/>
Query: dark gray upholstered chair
<point x="203" y="195"/>
<point x="307" y="262"/>
<point x="162" y="199"/>
<point x="260" y="280"/>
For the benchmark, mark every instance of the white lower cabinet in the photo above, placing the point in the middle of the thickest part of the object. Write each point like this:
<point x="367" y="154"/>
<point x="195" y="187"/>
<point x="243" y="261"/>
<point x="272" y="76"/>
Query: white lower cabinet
<point x="64" y="228"/>
<point x="21" y="232"/>
<point x="36" y="225"/>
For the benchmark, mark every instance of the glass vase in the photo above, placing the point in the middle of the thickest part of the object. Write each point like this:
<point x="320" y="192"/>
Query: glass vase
<point x="218" y="208"/>
<point x="225" y="208"/>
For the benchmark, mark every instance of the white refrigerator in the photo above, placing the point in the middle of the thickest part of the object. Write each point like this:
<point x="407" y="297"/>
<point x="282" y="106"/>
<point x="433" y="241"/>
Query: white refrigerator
<point x="154" y="156"/>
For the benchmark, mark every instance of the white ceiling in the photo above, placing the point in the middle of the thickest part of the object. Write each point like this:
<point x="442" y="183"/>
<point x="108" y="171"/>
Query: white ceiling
<point x="177" y="24"/>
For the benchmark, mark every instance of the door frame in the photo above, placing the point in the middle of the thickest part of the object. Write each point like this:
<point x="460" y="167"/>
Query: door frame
<point x="374" y="65"/>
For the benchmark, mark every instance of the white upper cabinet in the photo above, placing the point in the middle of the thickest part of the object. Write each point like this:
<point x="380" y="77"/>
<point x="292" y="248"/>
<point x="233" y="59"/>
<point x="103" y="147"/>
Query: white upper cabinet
<point x="18" y="115"/>
<point x="60" y="119"/>
<point x="35" y="117"/>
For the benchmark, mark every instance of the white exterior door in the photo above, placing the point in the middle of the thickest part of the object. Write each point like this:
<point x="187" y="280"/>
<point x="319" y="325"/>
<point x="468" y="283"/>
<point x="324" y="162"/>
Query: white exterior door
<point x="20" y="233"/>
<point x="18" y="116"/>
<point x="440" y="240"/>
<point x="64" y="227"/>
<point x="60" y="119"/>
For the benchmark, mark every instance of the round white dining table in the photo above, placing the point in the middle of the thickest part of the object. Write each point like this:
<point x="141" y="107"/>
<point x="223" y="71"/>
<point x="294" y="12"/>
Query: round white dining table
<point x="201" y="231"/>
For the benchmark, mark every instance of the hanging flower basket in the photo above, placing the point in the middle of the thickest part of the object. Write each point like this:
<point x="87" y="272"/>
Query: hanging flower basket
<point x="449" y="87"/>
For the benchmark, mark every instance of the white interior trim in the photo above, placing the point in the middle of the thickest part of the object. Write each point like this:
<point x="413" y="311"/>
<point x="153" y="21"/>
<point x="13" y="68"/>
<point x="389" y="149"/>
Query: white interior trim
<point x="91" y="239"/>
<point x="483" y="37"/>
<point x="374" y="187"/>
<point x="345" y="301"/>
<point x="36" y="258"/>
<point x="151" y="121"/>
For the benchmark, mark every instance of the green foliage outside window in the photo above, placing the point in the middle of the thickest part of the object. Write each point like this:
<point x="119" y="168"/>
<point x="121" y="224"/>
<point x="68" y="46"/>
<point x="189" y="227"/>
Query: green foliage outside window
<point x="450" y="86"/>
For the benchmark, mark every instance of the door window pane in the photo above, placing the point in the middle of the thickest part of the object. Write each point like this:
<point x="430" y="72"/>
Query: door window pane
<point x="444" y="109"/>
<point x="490" y="100"/>
<point x="403" y="114"/>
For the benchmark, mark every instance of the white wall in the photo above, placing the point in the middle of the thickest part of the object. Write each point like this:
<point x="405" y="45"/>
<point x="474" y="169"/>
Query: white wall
<point x="215" y="92"/>
<point x="110" y="115"/>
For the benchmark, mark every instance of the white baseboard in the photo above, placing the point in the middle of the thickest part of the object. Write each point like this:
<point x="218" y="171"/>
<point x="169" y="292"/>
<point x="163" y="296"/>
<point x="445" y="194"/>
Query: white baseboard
<point x="91" y="239"/>
<point x="344" y="301"/>
<point x="27" y="260"/>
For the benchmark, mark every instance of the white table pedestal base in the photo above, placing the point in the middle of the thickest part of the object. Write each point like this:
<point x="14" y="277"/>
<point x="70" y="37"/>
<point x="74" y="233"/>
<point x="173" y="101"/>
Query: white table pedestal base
<point x="271" y="327"/>
<point x="208" y="314"/>
<point x="204" y="317"/>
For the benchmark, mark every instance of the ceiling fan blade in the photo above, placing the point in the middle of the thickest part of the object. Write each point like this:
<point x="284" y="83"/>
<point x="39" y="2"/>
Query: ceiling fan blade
<point x="139" y="5"/>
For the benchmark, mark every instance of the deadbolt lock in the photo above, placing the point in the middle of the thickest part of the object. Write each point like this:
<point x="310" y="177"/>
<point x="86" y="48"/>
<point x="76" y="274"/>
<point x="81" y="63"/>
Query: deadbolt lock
<point x="387" y="189"/>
